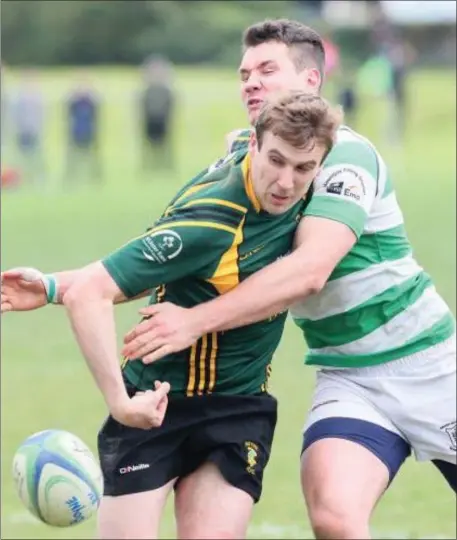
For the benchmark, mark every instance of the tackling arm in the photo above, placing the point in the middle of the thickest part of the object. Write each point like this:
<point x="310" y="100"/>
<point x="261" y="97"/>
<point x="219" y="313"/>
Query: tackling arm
<point x="276" y="287"/>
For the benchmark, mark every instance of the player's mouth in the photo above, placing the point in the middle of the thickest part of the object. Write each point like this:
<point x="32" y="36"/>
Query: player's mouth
<point x="254" y="104"/>
<point x="279" y="200"/>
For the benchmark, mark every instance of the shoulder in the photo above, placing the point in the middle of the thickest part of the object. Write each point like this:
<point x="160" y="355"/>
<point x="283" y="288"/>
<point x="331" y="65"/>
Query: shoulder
<point x="353" y="164"/>
<point x="351" y="148"/>
<point x="237" y="139"/>
<point x="216" y="204"/>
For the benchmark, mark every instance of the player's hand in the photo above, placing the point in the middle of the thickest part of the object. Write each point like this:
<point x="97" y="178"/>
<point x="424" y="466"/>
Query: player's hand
<point x="145" y="410"/>
<point x="169" y="329"/>
<point x="22" y="289"/>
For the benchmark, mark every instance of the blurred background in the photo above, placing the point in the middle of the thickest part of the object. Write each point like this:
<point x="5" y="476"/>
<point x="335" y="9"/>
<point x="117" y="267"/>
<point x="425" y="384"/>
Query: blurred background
<point x="107" y="108"/>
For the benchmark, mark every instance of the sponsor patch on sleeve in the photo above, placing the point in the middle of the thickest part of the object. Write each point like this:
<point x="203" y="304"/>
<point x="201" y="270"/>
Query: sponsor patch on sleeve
<point x="162" y="246"/>
<point x="349" y="183"/>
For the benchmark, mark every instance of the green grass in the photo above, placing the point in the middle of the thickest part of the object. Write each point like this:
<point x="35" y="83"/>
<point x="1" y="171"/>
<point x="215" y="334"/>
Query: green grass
<point x="45" y="383"/>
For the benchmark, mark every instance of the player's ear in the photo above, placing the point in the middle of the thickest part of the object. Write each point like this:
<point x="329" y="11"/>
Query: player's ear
<point x="313" y="79"/>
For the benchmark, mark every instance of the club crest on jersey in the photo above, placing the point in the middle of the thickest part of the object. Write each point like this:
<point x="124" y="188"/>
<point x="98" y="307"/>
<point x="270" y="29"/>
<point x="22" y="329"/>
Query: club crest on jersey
<point x="162" y="246"/>
<point x="252" y="456"/>
<point x="451" y="430"/>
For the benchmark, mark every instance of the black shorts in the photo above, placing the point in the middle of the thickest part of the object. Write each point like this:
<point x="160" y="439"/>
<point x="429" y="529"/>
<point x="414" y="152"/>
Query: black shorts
<point x="233" y="432"/>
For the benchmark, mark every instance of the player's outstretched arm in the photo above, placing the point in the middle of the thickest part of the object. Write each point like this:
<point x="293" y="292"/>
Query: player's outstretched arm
<point x="89" y="303"/>
<point x="27" y="289"/>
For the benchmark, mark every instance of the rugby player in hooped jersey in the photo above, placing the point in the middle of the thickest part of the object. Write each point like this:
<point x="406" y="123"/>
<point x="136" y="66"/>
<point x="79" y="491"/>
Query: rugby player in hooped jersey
<point x="382" y="337"/>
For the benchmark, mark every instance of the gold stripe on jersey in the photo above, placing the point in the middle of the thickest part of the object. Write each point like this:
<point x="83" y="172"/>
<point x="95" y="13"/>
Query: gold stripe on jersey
<point x="187" y="193"/>
<point x="192" y="370"/>
<point x="248" y="186"/>
<point x="160" y="293"/>
<point x="183" y="223"/>
<point x="212" y="363"/>
<point x="202" y="364"/>
<point x="220" y="202"/>
<point x="227" y="273"/>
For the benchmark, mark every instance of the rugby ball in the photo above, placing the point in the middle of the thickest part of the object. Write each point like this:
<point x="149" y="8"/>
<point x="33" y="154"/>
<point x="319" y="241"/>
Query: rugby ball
<point x="57" y="478"/>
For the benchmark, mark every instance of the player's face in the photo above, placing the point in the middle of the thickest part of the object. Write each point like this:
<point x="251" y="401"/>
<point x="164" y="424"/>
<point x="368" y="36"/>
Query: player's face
<point x="281" y="173"/>
<point x="269" y="68"/>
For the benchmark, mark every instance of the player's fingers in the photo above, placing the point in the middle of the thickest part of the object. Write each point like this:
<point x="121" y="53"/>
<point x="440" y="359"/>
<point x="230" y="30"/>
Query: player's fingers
<point x="138" y="330"/>
<point x="153" y="309"/>
<point x="159" y="353"/>
<point x="142" y="345"/>
<point x="162" y="406"/>
<point x="162" y="391"/>
<point x="5" y="306"/>
<point x="11" y="274"/>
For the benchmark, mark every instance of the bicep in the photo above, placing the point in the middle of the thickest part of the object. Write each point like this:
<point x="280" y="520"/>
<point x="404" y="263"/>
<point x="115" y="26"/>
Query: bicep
<point x="167" y="253"/>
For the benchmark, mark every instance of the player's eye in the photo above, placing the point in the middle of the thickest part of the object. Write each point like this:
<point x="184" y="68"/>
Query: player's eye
<point x="275" y="161"/>
<point x="304" y="168"/>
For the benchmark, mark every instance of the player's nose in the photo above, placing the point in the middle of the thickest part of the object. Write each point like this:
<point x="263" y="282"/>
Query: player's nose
<point x="286" y="180"/>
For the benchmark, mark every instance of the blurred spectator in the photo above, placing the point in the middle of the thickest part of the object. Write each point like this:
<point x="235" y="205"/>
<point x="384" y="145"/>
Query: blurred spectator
<point x="390" y="45"/>
<point x="156" y="110"/>
<point x="348" y="97"/>
<point x="399" y="55"/>
<point x="83" y="152"/>
<point x="27" y="125"/>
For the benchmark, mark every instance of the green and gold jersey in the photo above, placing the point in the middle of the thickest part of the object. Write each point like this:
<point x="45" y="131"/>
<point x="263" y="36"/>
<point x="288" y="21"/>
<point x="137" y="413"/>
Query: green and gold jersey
<point x="212" y="236"/>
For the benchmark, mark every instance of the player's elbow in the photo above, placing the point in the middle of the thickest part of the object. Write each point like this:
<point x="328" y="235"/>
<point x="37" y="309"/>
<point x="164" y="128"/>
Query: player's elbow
<point x="78" y="293"/>
<point x="312" y="284"/>
<point x="83" y="290"/>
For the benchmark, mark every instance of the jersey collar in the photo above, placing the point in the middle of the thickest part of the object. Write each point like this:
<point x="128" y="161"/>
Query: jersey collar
<point x="247" y="180"/>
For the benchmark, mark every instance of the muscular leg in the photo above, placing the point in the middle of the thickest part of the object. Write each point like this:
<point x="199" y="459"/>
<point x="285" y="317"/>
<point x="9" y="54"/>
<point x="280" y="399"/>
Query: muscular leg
<point x="207" y="506"/>
<point x="345" y="468"/>
<point x="135" y="516"/>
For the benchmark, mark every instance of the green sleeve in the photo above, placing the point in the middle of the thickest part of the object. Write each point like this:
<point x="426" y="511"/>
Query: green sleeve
<point x="189" y="243"/>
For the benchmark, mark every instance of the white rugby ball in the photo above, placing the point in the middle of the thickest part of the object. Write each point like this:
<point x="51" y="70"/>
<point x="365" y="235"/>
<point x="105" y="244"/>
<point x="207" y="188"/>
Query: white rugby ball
<point x="57" y="478"/>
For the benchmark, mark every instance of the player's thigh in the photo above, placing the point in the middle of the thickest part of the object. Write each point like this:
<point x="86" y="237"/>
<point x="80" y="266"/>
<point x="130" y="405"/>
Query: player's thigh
<point x="350" y="454"/>
<point x="134" y="516"/>
<point x="230" y="448"/>
<point x="207" y="506"/>
<point x="138" y="467"/>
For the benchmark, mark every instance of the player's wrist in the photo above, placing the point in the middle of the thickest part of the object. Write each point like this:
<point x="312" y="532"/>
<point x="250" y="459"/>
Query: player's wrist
<point x="51" y="286"/>
<point x="203" y="320"/>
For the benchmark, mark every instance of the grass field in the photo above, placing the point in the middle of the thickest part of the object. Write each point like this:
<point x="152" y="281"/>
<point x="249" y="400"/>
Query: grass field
<point x="45" y="383"/>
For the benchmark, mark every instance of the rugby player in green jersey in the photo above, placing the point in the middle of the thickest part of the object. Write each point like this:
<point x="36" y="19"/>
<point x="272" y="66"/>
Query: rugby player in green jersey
<point x="208" y="427"/>
<point x="382" y="337"/>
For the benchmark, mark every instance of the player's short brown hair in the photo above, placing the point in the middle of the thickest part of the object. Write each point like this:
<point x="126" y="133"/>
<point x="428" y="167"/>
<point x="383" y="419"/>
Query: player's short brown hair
<point x="300" y="119"/>
<point x="305" y="44"/>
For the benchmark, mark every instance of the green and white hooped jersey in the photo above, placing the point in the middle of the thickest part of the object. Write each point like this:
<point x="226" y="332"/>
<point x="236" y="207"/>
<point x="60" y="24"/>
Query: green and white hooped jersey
<point x="378" y="304"/>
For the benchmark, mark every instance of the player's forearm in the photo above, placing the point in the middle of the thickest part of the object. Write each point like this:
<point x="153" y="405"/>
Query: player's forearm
<point x="93" y="324"/>
<point x="264" y="294"/>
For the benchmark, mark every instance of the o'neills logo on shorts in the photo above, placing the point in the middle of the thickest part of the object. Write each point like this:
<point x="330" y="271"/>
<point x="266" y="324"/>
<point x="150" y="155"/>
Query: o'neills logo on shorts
<point x="133" y="468"/>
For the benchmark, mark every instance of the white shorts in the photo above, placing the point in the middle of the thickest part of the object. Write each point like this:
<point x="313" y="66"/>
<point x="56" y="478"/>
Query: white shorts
<point x="413" y="397"/>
